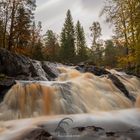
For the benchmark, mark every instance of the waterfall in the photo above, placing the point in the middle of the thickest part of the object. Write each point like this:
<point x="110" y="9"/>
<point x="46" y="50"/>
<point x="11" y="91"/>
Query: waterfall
<point x="72" y="92"/>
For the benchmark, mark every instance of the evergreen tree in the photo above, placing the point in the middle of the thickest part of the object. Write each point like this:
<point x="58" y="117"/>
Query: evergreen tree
<point x="51" y="49"/>
<point x="22" y="35"/>
<point x="11" y="12"/>
<point x="81" y="47"/>
<point x="110" y="58"/>
<point x="37" y="51"/>
<point x="67" y="51"/>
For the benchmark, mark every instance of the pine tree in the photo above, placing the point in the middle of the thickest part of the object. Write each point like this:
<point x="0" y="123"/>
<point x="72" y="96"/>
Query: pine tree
<point x="110" y="54"/>
<point x="22" y="35"/>
<point x="51" y="49"/>
<point x="11" y="11"/>
<point x="67" y="52"/>
<point x="81" y="47"/>
<point x="37" y="51"/>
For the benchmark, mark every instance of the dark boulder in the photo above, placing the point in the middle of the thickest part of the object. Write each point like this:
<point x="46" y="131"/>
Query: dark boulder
<point x="24" y="68"/>
<point x="96" y="70"/>
<point x="50" y="69"/>
<point x="121" y="86"/>
<point x="93" y="69"/>
<point x="12" y="64"/>
<point x="5" y="84"/>
<point x="37" y="134"/>
<point x="19" y="67"/>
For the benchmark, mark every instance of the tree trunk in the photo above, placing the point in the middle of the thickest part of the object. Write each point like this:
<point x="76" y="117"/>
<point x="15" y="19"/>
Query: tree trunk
<point x="10" y="44"/>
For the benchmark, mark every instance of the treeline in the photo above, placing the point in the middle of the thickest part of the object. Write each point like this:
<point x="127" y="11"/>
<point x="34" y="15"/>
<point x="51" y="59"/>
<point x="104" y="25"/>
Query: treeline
<point x="71" y="46"/>
<point x="125" y="17"/>
<point x="16" y="23"/>
<point x="20" y="33"/>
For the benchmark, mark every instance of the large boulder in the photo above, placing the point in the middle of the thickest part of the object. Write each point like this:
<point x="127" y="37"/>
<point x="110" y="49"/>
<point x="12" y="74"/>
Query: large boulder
<point x="13" y="65"/>
<point x="5" y="84"/>
<point x="18" y="67"/>
<point x="24" y="68"/>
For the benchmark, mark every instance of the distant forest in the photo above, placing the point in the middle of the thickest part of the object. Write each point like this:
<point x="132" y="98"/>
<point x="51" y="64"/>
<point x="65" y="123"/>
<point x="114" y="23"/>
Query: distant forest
<point x="20" y="33"/>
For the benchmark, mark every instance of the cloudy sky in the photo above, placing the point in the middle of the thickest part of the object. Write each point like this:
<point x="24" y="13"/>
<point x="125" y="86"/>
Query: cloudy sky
<point x="52" y="14"/>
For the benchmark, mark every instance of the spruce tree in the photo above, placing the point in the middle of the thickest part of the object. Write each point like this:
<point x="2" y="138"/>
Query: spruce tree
<point x="67" y="52"/>
<point x="51" y="48"/>
<point x="110" y="54"/>
<point x="16" y="15"/>
<point x="22" y="35"/>
<point x="81" y="48"/>
<point x="37" y="51"/>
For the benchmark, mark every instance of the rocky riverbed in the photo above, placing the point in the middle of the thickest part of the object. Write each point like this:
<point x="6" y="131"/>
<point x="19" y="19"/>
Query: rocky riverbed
<point x="41" y="100"/>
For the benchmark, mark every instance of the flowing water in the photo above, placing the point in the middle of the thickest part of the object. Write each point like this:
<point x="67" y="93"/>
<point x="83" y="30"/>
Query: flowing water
<point x="103" y="107"/>
<point x="72" y="93"/>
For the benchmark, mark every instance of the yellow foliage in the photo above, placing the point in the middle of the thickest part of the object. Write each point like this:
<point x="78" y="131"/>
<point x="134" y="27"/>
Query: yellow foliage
<point x="126" y="61"/>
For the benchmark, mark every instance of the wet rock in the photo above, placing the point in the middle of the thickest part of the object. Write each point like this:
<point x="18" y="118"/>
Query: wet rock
<point x="101" y="71"/>
<point x="37" y="71"/>
<point x="13" y="64"/>
<point x="121" y="86"/>
<point x="19" y="67"/>
<point x="24" y="68"/>
<point x="38" y="134"/>
<point x="96" y="70"/>
<point x="5" y="84"/>
<point x="93" y="128"/>
<point x="93" y="69"/>
<point x="80" y="129"/>
<point x="108" y="134"/>
<point x="50" y="69"/>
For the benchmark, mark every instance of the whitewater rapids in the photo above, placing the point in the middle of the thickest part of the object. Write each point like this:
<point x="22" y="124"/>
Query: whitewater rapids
<point x="99" y="110"/>
<point x="72" y="93"/>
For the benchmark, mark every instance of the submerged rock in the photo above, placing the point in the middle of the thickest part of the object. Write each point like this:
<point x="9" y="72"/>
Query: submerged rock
<point x="37" y="134"/>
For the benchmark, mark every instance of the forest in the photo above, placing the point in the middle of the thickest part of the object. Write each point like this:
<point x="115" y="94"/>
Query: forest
<point x="71" y="84"/>
<point x="21" y="33"/>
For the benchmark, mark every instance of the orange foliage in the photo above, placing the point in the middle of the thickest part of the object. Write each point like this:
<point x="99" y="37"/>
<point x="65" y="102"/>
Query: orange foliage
<point x="23" y="51"/>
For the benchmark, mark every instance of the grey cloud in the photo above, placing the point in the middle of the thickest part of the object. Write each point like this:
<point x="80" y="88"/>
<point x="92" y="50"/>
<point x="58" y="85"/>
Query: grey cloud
<point x="87" y="11"/>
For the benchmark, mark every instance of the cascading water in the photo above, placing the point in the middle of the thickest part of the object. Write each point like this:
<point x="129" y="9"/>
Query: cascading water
<point x="72" y="93"/>
<point x="99" y="107"/>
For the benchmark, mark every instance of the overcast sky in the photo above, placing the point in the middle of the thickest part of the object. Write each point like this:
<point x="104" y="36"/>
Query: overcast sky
<point x="52" y="14"/>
